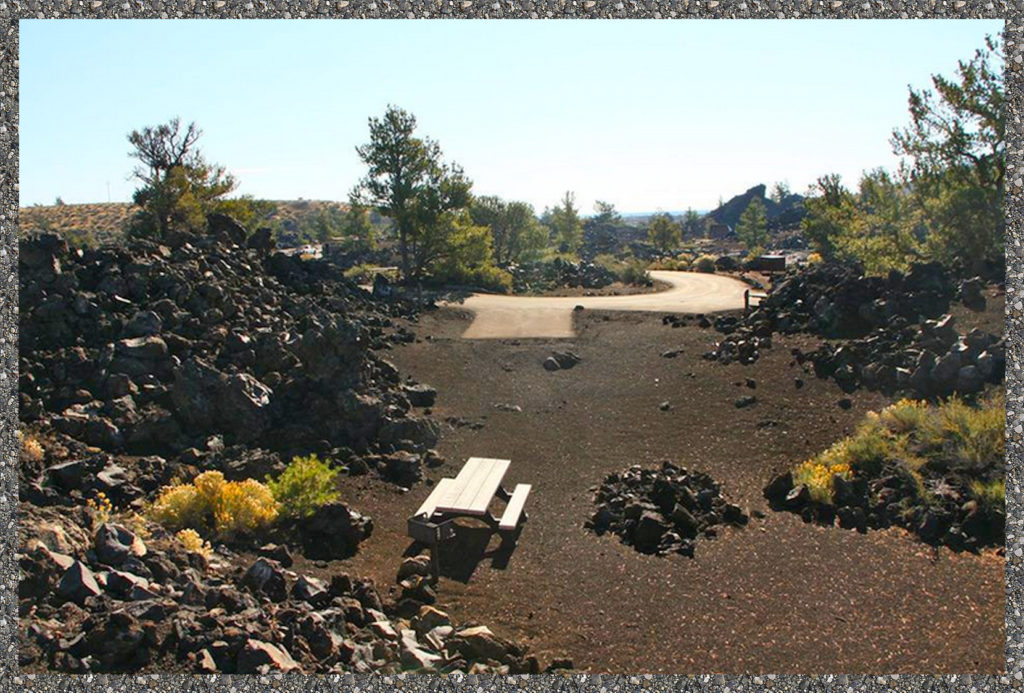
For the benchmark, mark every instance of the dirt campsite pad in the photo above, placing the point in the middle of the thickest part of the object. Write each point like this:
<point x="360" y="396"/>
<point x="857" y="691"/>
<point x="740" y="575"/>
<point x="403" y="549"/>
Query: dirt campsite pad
<point x="775" y="595"/>
<point x="499" y="317"/>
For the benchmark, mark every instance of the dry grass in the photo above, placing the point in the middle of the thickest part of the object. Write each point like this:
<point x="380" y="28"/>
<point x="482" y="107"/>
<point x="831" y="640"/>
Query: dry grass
<point x="100" y="223"/>
<point x="926" y="440"/>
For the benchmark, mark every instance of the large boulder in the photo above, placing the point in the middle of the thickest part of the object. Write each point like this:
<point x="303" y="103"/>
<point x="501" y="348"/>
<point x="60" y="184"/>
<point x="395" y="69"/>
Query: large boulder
<point x="226" y="228"/>
<point x="334" y="531"/>
<point x="115" y="545"/>
<point x="208" y="400"/>
<point x="78" y="583"/>
<point x="266" y="578"/>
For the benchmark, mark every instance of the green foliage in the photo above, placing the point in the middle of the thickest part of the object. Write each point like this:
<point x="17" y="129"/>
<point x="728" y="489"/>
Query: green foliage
<point x="566" y="227"/>
<point x="705" y="263"/>
<point x="628" y="271"/>
<point x="879" y="225"/>
<point x="915" y="437"/>
<point x="945" y="203"/>
<point x="464" y="254"/>
<point x="247" y="211"/>
<point x="991" y="495"/>
<point x="752" y="229"/>
<point x="365" y="273"/>
<point x="606" y="213"/>
<point x="664" y="233"/>
<point x="692" y="228"/>
<point x="516" y="234"/>
<point x="780" y="191"/>
<point x="954" y="151"/>
<point x="306" y="484"/>
<point x="179" y="188"/>
<point x="408" y="182"/>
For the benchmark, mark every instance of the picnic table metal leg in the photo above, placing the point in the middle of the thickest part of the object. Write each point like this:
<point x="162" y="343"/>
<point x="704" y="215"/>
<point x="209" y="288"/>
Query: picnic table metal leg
<point x="435" y="562"/>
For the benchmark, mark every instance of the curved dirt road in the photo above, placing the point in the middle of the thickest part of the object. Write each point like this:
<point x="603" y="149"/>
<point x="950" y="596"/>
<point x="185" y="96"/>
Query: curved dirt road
<point x="497" y="316"/>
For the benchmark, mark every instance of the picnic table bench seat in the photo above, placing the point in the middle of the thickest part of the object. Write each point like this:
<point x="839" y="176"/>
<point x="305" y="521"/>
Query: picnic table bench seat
<point x="510" y="519"/>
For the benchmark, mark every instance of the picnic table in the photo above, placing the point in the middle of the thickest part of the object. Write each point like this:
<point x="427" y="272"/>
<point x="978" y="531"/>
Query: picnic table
<point x="469" y="494"/>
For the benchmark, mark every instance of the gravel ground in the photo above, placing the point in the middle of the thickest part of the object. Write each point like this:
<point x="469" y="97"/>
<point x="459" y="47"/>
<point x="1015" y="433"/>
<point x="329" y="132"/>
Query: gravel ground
<point x="11" y="12"/>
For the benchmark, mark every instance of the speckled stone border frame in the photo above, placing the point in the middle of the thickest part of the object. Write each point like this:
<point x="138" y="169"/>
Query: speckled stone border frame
<point x="11" y="12"/>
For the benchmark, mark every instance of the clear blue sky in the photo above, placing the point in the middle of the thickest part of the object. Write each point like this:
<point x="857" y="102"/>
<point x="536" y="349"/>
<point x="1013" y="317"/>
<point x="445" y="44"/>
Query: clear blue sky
<point x="645" y="114"/>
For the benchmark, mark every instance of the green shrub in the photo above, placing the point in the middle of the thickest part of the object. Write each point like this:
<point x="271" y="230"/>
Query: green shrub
<point x="628" y="271"/>
<point x="975" y="436"/>
<point x="362" y="273"/>
<point x="634" y="272"/>
<point x="915" y="438"/>
<point x="991" y="495"/>
<point x="705" y="263"/>
<point x="305" y="485"/>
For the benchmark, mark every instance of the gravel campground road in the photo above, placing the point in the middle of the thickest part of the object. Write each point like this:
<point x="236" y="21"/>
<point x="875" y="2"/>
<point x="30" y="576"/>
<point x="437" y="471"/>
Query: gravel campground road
<point x="502" y="317"/>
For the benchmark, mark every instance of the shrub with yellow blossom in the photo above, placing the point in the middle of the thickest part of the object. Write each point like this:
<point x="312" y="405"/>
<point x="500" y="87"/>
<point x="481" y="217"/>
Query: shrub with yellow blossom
<point x="917" y="434"/>
<point x="194" y="543"/>
<point x="101" y="507"/>
<point x="215" y="507"/>
<point x="31" y="448"/>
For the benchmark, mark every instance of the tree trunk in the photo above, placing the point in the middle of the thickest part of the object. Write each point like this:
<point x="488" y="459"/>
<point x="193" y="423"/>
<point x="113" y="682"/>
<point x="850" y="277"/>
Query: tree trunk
<point x="403" y="242"/>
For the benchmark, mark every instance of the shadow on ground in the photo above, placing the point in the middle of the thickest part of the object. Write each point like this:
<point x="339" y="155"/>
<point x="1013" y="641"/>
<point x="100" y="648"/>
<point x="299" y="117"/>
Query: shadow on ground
<point x="472" y="545"/>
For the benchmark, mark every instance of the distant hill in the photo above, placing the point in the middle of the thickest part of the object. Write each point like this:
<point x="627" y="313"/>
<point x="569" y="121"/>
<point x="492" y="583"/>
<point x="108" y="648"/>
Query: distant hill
<point x="106" y="222"/>
<point x="787" y="213"/>
<point x="100" y="222"/>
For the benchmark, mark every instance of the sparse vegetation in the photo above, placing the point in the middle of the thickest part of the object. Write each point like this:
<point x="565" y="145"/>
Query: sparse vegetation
<point x="628" y="271"/>
<point x="305" y="485"/>
<point x="704" y="263"/>
<point x="193" y="543"/>
<point x="991" y="495"/>
<point x="31" y="449"/>
<point x="101" y="508"/>
<point x="925" y="440"/>
<point x="214" y="507"/>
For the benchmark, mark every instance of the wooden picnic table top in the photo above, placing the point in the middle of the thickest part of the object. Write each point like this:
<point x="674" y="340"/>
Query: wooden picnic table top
<point x="472" y="490"/>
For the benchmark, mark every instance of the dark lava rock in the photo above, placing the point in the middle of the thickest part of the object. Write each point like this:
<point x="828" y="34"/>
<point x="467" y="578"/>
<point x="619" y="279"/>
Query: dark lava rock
<point x="78" y="583"/>
<point x="333" y="531"/>
<point x="661" y="511"/>
<point x="420" y="395"/>
<point x="266" y="578"/>
<point x="896" y="335"/>
<point x="745" y="401"/>
<point x="115" y="545"/>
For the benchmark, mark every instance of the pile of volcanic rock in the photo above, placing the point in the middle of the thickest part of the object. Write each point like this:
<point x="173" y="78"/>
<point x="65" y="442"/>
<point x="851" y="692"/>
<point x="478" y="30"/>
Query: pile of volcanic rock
<point x="207" y="351"/>
<point x="110" y="600"/>
<point x="661" y="511"/>
<point x="948" y="516"/>
<point x="894" y="333"/>
<point x="559" y="273"/>
<point x="931" y="359"/>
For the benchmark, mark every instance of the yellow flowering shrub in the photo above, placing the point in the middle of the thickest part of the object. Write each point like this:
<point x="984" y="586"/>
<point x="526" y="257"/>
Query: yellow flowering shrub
<point x="918" y="435"/>
<point x="32" y="449"/>
<point x="193" y="543"/>
<point x="212" y="506"/>
<point x="817" y="476"/>
<point x="101" y="506"/>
